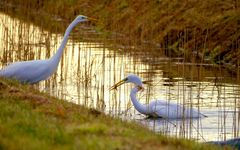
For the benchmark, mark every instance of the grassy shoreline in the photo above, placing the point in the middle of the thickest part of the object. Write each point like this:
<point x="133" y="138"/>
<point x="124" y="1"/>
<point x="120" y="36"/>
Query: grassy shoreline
<point x="33" y="120"/>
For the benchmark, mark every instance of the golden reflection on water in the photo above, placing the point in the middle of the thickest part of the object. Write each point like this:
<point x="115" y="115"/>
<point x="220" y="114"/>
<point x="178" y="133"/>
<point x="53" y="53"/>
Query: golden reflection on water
<point x="88" y="69"/>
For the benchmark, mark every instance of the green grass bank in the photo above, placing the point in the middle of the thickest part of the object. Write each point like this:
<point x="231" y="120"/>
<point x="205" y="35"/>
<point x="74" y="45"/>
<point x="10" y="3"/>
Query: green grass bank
<point x="190" y="28"/>
<point x="33" y="120"/>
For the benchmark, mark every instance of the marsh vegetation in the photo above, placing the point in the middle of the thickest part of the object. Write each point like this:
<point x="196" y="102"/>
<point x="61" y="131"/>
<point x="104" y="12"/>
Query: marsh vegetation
<point x="95" y="59"/>
<point x="88" y="69"/>
<point x="190" y="29"/>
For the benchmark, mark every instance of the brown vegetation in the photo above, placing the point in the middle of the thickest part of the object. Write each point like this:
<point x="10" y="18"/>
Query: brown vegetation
<point x="206" y="29"/>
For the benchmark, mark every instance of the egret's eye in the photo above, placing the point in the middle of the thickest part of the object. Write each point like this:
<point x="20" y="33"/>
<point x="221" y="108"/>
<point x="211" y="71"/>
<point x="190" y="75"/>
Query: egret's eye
<point x="140" y="87"/>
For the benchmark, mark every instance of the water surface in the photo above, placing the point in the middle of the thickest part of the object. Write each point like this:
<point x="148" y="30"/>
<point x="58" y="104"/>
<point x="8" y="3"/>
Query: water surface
<point x="91" y="64"/>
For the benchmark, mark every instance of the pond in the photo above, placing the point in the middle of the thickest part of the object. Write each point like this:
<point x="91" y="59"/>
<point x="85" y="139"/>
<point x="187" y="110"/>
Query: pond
<point x="91" y="64"/>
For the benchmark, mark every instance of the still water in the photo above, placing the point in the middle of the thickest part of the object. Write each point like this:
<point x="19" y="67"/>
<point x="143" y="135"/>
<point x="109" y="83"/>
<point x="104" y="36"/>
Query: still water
<point x="91" y="64"/>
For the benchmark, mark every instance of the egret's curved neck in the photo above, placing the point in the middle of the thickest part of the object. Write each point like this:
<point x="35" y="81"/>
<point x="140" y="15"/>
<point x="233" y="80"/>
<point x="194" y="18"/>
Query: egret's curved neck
<point x="140" y="107"/>
<point x="56" y="58"/>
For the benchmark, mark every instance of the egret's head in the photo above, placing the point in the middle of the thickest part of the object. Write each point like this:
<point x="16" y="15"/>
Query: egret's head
<point x="132" y="78"/>
<point x="82" y="18"/>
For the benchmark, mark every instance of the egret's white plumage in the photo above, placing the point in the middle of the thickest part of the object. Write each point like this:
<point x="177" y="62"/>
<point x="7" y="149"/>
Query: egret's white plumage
<point x="157" y="108"/>
<point x="37" y="70"/>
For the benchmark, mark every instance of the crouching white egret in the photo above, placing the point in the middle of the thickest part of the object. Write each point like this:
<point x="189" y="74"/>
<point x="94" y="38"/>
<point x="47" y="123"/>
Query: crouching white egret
<point x="157" y="108"/>
<point x="37" y="70"/>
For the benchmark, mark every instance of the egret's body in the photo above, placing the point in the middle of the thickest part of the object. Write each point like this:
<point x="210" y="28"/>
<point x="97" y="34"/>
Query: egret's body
<point x="37" y="70"/>
<point x="157" y="108"/>
<point x="162" y="108"/>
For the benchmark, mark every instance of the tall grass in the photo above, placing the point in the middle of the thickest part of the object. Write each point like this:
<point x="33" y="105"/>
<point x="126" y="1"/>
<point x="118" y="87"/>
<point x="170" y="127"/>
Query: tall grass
<point x="208" y="29"/>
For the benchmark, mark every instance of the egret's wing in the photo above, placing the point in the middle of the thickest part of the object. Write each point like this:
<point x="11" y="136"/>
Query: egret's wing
<point x="167" y="110"/>
<point x="160" y="111"/>
<point x="13" y="68"/>
<point x="26" y="71"/>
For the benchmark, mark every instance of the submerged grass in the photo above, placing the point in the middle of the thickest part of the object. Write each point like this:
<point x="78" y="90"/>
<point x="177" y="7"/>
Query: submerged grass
<point x="33" y="120"/>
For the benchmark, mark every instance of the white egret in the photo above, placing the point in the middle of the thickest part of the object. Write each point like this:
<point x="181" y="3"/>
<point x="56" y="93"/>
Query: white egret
<point x="157" y="108"/>
<point x="34" y="71"/>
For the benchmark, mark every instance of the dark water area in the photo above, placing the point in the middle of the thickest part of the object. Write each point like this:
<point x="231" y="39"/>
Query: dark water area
<point x="91" y="64"/>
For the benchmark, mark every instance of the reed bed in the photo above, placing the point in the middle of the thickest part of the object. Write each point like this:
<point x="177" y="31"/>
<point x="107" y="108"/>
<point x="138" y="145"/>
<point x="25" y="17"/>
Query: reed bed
<point x="88" y="69"/>
<point x="193" y="29"/>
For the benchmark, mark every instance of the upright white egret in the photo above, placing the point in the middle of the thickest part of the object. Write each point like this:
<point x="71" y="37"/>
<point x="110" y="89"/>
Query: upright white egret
<point x="37" y="70"/>
<point x="157" y="108"/>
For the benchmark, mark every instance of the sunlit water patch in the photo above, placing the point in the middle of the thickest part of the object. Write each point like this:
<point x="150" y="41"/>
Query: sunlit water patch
<point x="88" y="69"/>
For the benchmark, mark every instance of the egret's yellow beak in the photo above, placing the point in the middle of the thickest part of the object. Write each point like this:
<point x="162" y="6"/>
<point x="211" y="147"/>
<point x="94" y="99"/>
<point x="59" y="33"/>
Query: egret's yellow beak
<point x="149" y="82"/>
<point x="118" y="84"/>
<point x="92" y="19"/>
